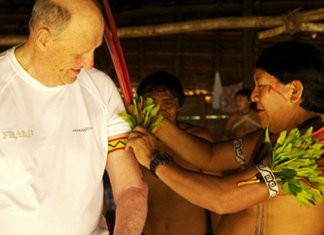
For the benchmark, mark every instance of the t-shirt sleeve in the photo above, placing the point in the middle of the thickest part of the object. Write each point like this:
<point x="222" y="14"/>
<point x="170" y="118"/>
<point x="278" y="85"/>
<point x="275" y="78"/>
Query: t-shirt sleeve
<point x="112" y="101"/>
<point x="115" y="124"/>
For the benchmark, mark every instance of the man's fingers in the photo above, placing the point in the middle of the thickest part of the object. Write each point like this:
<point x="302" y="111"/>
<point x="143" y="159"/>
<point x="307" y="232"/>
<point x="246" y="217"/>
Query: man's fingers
<point x="140" y="129"/>
<point x="139" y="137"/>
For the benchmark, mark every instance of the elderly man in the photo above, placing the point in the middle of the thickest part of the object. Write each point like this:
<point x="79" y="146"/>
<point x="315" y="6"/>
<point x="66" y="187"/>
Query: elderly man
<point x="59" y="119"/>
<point x="289" y="88"/>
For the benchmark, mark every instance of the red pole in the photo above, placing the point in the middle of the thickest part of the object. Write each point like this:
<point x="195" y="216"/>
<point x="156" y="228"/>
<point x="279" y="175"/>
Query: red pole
<point x="116" y="52"/>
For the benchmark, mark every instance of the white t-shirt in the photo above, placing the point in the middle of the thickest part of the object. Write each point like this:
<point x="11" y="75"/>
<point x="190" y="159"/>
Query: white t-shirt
<point x="53" y="150"/>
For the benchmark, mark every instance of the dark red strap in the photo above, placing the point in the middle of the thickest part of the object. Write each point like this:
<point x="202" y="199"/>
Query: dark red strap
<point x="116" y="52"/>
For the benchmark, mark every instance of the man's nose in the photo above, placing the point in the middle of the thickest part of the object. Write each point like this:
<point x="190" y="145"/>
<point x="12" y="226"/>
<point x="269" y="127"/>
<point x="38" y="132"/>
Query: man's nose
<point x="255" y="95"/>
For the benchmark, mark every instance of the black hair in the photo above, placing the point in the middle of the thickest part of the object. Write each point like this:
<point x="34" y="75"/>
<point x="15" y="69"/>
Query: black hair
<point x="291" y="60"/>
<point x="247" y="93"/>
<point x="162" y="80"/>
<point x="244" y="92"/>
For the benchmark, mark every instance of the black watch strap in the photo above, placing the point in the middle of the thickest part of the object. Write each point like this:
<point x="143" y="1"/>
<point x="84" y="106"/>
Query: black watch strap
<point x="159" y="158"/>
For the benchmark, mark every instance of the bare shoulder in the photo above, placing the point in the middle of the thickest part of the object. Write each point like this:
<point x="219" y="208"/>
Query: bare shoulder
<point x="233" y="118"/>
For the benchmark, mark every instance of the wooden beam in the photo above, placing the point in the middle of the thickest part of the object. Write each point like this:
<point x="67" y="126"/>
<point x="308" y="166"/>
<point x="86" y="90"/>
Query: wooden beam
<point x="312" y="27"/>
<point x="181" y="27"/>
<point x="244" y="22"/>
<point x="296" y="21"/>
<point x="200" y="25"/>
<point x="12" y="40"/>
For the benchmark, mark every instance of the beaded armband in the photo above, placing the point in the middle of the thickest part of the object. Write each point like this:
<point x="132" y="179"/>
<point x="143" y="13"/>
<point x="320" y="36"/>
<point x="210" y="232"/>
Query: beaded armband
<point x="238" y="151"/>
<point x="116" y="144"/>
<point x="269" y="179"/>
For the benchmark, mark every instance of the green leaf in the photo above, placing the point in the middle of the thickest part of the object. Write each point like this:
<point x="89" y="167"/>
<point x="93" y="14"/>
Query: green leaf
<point x="294" y="163"/>
<point x="142" y="113"/>
<point x="282" y="137"/>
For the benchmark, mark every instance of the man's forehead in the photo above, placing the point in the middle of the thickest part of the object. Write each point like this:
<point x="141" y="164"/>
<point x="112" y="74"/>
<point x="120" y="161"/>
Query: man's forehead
<point x="160" y="90"/>
<point x="262" y="76"/>
<point x="164" y="94"/>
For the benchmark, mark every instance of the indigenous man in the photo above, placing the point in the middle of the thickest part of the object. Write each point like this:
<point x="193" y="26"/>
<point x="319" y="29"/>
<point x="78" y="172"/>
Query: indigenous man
<point x="168" y="213"/>
<point x="57" y="116"/>
<point x="289" y="88"/>
<point x="245" y="120"/>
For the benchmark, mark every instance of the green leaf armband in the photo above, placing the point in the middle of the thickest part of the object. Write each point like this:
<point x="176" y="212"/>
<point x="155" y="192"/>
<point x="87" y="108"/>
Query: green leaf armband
<point x="143" y="113"/>
<point x="269" y="179"/>
<point x="295" y="163"/>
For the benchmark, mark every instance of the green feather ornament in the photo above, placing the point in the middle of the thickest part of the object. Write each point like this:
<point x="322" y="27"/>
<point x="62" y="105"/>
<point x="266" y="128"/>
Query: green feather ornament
<point x="142" y="113"/>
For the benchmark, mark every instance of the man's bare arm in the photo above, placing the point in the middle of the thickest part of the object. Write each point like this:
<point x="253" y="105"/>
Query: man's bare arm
<point x="221" y="195"/>
<point x="129" y="190"/>
<point x="201" y="153"/>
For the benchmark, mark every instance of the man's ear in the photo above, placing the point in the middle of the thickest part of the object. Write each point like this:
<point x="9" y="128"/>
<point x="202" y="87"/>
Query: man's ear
<point x="297" y="90"/>
<point x="43" y="37"/>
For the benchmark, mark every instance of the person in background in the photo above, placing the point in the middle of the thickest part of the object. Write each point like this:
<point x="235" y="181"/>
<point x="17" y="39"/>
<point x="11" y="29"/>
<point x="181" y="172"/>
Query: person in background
<point x="60" y="130"/>
<point x="168" y="213"/>
<point x="288" y="92"/>
<point x="245" y="120"/>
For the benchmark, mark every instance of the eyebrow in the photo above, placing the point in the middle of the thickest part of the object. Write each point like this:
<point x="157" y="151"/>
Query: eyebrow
<point x="256" y="78"/>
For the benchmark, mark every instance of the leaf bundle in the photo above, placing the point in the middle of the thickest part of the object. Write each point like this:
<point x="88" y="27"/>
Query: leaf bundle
<point x="295" y="163"/>
<point x="142" y="113"/>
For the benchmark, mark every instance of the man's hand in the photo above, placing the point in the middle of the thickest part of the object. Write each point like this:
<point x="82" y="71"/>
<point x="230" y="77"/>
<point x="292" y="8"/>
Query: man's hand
<point x="143" y="144"/>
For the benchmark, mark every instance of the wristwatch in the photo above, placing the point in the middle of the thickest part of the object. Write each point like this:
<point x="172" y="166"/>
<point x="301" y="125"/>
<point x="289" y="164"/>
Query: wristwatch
<point x="159" y="158"/>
